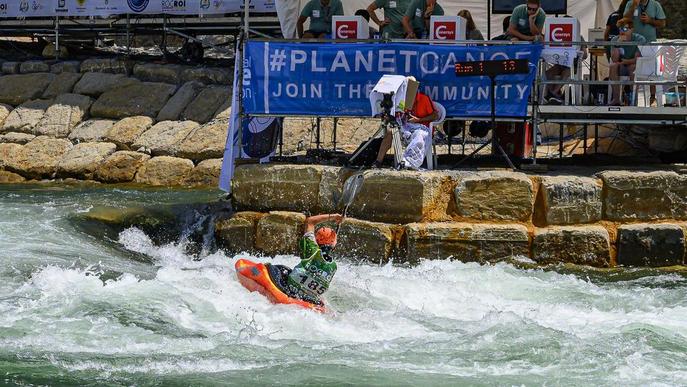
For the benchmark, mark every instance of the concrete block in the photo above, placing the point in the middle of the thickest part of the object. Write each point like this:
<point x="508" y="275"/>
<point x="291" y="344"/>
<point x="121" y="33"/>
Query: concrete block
<point x="651" y="245"/>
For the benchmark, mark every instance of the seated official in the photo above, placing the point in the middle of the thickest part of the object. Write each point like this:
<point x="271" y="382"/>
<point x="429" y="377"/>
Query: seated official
<point x="415" y="132"/>
<point x="527" y="22"/>
<point x="623" y="58"/>
<point x="471" y="31"/>
<point x="392" y="25"/>
<point x="553" y="94"/>
<point x="320" y="13"/>
<point x="506" y="25"/>
<point x="416" y="18"/>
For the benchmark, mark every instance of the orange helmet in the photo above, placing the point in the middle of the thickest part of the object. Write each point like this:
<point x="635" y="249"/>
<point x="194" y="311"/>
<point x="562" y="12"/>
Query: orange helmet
<point x="325" y="236"/>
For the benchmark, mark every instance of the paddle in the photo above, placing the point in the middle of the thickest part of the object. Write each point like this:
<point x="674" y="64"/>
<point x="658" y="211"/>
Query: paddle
<point x="350" y="190"/>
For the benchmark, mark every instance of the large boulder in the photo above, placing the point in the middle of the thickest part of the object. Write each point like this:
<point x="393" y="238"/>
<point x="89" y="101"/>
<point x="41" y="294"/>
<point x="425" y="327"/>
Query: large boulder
<point x="120" y="167"/>
<point x="95" y="84"/>
<point x="39" y="158"/>
<point x="568" y="200"/>
<point x="140" y="99"/>
<point x="8" y="153"/>
<point x="495" y="195"/>
<point x="206" y="173"/>
<point x="126" y="131"/>
<point x="403" y="196"/>
<point x="372" y="241"/>
<point x="153" y="72"/>
<point x="91" y="130"/>
<point x="62" y="84"/>
<point x="70" y="66"/>
<point x="26" y="116"/>
<point x="50" y="51"/>
<point x="582" y="245"/>
<point x="107" y="65"/>
<point x="467" y="242"/>
<point x="17" y="138"/>
<point x="164" y="171"/>
<point x="207" y="75"/>
<point x="19" y="88"/>
<point x="204" y="106"/>
<point x="278" y="232"/>
<point x="205" y="142"/>
<point x="63" y="115"/>
<point x="237" y="234"/>
<point x="7" y="177"/>
<point x="179" y="101"/>
<point x="331" y="188"/>
<point x="644" y="195"/>
<point x="277" y="187"/>
<point x="82" y="160"/>
<point x="5" y="111"/>
<point x="34" y="66"/>
<point x="651" y="245"/>
<point x="164" y="137"/>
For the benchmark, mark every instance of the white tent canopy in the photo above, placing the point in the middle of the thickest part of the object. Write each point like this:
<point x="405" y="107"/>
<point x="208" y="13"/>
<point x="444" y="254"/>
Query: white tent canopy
<point x="591" y="13"/>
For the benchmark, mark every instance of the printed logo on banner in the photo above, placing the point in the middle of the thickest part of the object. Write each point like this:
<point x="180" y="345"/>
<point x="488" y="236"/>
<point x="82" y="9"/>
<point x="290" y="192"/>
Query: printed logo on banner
<point x="3" y="8"/>
<point x="346" y="29"/>
<point x="204" y="4"/>
<point x="445" y="30"/>
<point x="173" y="5"/>
<point x="138" y="5"/>
<point x="561" y="32"/>
<point x="24" y="6"/>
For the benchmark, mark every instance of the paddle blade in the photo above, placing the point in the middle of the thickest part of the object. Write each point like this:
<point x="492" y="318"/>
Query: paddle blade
<point x="351" y="189"/>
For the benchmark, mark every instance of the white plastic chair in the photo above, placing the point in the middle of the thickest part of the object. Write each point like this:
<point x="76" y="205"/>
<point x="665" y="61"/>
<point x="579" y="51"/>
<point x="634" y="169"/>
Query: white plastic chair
<point x="430" y="148"/>
<point x="657" y="64"/>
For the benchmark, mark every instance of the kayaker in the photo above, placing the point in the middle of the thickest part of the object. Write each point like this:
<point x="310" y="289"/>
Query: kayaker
<point x="309" y="279"/>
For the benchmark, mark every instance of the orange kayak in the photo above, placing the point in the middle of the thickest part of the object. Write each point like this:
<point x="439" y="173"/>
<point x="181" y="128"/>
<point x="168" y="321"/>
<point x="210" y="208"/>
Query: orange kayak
<point x="256" y="278"/>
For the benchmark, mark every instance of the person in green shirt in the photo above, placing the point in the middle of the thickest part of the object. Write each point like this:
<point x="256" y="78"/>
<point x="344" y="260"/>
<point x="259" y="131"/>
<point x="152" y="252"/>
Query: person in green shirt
<point x="416" y="18"/>
<point x="527" y="22"/>
<point x="392" y="26"/>
<point x="311" y="277"/>
<point x="320" y="13"/>
<point x="623" y="58"/>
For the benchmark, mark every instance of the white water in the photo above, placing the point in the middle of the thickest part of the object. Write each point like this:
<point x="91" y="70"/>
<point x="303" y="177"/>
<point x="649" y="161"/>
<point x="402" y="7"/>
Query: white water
<point x="180" y="320"/>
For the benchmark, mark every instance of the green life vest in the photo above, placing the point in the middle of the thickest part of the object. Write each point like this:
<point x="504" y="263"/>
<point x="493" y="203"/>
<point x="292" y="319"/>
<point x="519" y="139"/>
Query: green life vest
<point x="311" y="277"/>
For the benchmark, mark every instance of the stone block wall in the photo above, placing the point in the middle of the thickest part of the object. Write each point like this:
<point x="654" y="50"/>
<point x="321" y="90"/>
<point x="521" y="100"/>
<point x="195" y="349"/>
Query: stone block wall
<point x="113" y="120"/>
<point x="613" y="218"/>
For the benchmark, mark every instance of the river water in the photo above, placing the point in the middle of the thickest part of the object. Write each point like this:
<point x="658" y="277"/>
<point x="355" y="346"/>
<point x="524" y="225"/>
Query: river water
<point x="81" y="306"/>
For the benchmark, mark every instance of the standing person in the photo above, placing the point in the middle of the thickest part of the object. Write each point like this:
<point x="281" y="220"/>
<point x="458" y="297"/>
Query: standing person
<point x="320" y="13"/>
<point x="612" y="22"/>
<point x="392" y="25"/>
<point x="647" y="16"/>
<point x="623" y="58"/>
<point x="416" y="18"/>
<point x="415" y="131"/>
<point x="527" y="22"/>
<point x="471" y="31"/>
<point x="311" y="277"/>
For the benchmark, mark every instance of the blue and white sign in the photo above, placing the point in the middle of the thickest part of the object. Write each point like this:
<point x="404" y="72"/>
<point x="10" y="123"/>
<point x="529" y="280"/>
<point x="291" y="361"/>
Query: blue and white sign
<point x="336" y="79"/>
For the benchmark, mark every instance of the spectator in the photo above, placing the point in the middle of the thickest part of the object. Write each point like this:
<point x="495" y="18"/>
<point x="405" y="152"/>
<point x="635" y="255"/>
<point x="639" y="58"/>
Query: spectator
<point x="415" y="131"/>
<point x="553" y="93"/>
<point x="612" y="22"/>
<point x="506" y="25"/>
<point x="416" y="18"/>
<point x="392" y="26"/>
<point x="527" y="22"/>
<point x="320" y="13"/>
<point x="624" y="58"/>
<point x="366" y="16"/>
<point x="471" y="33"/>
<point x="647" y="16"/>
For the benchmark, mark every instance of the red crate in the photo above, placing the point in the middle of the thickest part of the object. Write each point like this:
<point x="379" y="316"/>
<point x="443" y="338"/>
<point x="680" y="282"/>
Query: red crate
<point x="515" y="138"/>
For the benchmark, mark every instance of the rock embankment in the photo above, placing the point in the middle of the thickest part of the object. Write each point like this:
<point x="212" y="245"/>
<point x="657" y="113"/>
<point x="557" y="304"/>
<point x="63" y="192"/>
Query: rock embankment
<point x="613" y="218"/>
<point x="114" y="121"/>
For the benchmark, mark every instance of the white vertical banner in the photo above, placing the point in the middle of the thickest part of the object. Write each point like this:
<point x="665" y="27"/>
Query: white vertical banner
<point x="231" y="150"/>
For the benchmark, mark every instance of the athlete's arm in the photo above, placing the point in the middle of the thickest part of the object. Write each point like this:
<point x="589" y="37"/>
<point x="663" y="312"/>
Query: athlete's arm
<point x="312" y="221"/>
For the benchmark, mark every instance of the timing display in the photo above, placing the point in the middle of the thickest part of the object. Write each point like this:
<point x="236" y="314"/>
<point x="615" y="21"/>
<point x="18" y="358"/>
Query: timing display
<point x="492" y="67"/>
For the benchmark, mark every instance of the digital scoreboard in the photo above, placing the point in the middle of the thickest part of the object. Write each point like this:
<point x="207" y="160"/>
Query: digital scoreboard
<point x="492" y="68"/>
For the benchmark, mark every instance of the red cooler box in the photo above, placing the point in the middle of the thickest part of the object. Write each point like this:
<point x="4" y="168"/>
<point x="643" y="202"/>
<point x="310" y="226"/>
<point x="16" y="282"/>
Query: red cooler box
<point x="515" y="138"/>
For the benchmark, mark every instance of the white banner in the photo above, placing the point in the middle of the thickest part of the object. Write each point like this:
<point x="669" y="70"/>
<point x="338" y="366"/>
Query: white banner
<point x="51" y="8"/>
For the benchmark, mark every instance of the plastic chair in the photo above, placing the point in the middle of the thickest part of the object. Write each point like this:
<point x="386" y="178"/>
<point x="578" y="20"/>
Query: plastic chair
<point x="430" y="148"/>
<point x="657" y="64"/>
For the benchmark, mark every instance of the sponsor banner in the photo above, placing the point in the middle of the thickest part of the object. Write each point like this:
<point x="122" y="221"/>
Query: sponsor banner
<point x="336" y="79"/>
<point x="64" y="8"/>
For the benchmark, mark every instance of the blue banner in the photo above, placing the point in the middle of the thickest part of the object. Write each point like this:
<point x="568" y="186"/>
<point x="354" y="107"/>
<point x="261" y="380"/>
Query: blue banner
<point x="335" y="79"/>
